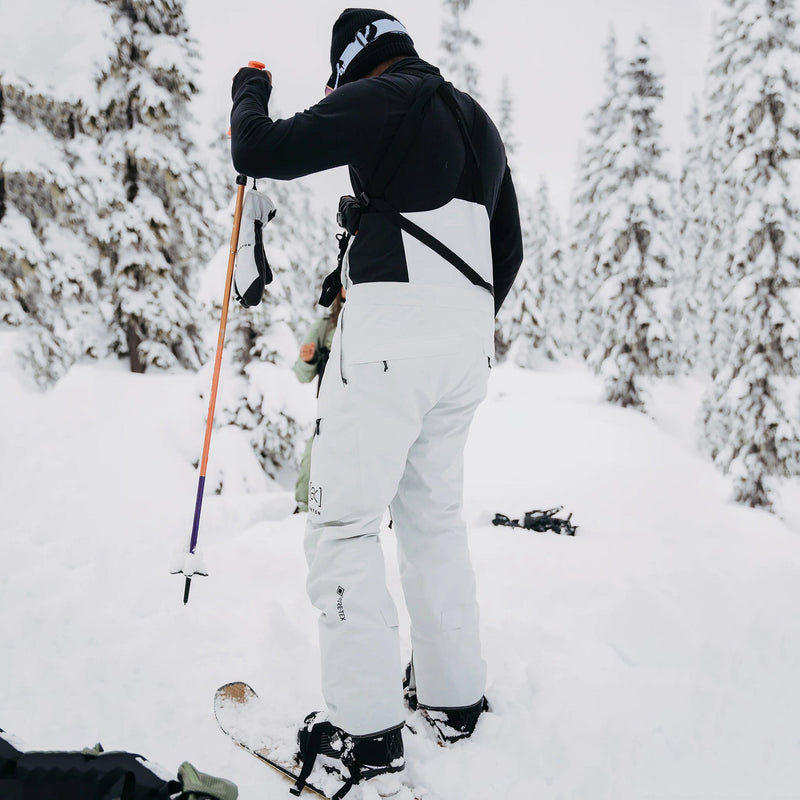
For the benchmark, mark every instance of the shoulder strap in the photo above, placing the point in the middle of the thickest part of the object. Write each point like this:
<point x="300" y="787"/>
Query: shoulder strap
<point x="371" y="198"/>
<point x="406" y="134"/>
<point x="450" y="102"/>
<point x="393" y="215"/>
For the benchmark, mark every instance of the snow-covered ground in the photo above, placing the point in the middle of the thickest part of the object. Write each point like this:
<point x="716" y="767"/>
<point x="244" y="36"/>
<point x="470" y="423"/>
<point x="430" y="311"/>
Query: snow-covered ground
<point x="654" y="655"/>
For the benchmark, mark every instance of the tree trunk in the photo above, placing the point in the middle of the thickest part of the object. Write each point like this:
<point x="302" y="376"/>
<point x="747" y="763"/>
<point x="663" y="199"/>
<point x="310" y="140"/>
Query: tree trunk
<point x="134" y="340"/>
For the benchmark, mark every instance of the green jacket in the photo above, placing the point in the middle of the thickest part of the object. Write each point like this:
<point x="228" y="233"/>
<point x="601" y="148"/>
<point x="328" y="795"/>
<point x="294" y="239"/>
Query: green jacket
<point x="321" y="335"/>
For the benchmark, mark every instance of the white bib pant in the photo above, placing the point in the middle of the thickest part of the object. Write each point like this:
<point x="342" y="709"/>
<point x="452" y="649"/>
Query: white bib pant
<point x="394" y="435"/>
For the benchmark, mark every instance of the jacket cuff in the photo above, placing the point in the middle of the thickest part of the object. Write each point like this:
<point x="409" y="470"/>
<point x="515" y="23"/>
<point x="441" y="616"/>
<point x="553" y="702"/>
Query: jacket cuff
<point x="255" y="79"/>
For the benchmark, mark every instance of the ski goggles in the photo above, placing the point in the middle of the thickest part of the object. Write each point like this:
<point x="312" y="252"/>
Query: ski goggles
<point x="367" y="35"/>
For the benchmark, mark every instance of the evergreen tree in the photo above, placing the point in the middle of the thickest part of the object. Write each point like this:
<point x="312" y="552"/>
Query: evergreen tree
<point x="458" y="45"/>
<point x="718" y="191"/>
<point x="506" y="328"/>
<point x="589" y="207"/>
<point x="754" y="128"/>
<point x="519" y="327"/>
<point x="636" y="243"/>
<point x="689" y="286"/>
<point x="506" y="121"/>
<point x="550" y="264"/>
<point x="49" y="179"/>
<point x="533" y="318"/>
<point x="159" y="229"/>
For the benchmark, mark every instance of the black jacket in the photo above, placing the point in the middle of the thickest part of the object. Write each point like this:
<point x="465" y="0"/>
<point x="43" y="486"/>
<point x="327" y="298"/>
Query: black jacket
<point x="355" y="126"/>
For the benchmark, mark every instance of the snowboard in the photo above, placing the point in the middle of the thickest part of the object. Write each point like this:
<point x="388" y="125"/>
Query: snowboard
<point x="243" y="716"/>
<point x="235" y="708"/>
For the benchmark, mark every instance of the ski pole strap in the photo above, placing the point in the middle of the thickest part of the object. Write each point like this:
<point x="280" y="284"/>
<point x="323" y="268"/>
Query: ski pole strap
<point x="412" y="229"/>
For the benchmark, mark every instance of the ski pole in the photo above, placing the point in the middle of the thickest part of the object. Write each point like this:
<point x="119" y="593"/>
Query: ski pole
<point x="241" y="182"/>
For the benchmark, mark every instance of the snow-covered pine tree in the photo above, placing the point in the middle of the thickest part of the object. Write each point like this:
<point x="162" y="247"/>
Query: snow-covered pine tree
<point x="458" y="44"/>
<point x="506" y="325"/>
<point x="718" y="192"/>
<point x="751" y="428"/>
<point x="48" y="255"/>
<point x="588" y="206"/>
<point x="548" y="261"/>
<point x="519" y="328"/>
<point x="534" y="315"/>
<point x="636" y="243"/>
<point x="506" y="122"/>
<point x="689" y="287"/>
<point x="160" y="221"/>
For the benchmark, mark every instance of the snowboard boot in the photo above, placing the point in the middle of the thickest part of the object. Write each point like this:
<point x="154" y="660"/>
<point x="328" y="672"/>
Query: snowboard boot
<point x="449" y="724"/>
<point x="360" y="758"/>
<point x="453" y="724"/>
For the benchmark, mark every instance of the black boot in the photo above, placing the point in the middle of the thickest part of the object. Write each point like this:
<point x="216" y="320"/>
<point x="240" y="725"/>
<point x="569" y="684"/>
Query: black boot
<point x="453" y="724"/>
<point x="449" y="724"/>
<point x="361" y="757"/>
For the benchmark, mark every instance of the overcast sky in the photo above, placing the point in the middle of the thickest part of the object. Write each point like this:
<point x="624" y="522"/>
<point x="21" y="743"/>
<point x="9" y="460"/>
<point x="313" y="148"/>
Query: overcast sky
<point x="551" y="51"/>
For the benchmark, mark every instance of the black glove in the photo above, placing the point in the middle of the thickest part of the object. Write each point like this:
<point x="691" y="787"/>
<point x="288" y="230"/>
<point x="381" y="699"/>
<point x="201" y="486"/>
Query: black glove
<point x="259" y="79"/>
<point x="349" y="214"/>
<point x="332" y="284"/>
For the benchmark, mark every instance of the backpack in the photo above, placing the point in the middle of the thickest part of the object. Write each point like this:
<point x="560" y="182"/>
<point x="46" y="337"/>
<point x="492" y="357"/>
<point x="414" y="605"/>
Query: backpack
<point x="93" y="774"/>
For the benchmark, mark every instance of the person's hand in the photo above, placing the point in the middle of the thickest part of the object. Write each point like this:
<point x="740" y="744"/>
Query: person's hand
<point x="249" y="73"/>
<point x="308" y="351"/>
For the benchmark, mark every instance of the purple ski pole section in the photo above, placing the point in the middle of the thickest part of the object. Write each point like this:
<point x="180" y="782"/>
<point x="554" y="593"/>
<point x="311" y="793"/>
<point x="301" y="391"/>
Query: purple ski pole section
<point x="195" y="528"/>
<point x="197" y="506"/>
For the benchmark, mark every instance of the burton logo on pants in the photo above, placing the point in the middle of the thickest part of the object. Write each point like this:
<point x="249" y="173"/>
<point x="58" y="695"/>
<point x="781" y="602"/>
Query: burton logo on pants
<point x="314" y="498"/>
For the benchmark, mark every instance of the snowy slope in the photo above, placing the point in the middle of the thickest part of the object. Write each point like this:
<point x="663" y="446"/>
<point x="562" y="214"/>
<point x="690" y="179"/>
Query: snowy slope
<point x="653" y="655"/>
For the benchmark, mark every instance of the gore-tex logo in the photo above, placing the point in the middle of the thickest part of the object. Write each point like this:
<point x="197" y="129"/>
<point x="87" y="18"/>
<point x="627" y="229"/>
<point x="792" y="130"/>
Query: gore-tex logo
<point x="340" y="604"/>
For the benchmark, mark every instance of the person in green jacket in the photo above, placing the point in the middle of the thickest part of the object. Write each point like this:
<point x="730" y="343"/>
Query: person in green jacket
<point x="311" y="363"/>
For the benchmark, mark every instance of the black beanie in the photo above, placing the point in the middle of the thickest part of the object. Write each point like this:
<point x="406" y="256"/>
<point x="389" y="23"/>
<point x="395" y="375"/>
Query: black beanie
<point x="362" y="38"/>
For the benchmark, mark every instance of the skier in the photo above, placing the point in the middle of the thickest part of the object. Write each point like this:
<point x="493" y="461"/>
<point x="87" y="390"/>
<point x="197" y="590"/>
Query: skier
<point x="436" y="234"/>
<point x="310" y="364"/>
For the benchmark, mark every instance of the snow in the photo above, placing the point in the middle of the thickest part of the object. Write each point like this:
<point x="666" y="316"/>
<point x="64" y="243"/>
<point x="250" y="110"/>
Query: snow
<point x="65" y="67"/>
<point x="653" y="655"/>
<point x="27" y="149"/>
